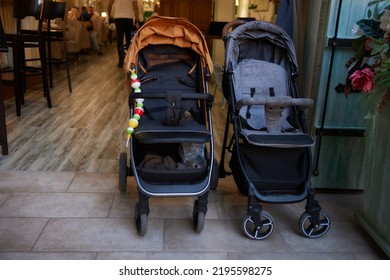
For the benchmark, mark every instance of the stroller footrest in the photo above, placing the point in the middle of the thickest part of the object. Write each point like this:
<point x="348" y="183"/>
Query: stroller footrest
<point x="288" y="140"/>
<point x="160" y="176"/>
<point x="150" y="132"/>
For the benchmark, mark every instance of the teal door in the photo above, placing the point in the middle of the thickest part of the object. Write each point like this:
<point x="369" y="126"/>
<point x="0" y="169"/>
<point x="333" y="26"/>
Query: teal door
<point x="339" y="120"/>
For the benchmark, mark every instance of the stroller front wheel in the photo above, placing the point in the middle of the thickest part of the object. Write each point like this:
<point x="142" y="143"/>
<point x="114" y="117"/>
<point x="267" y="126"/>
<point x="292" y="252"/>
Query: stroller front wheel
<point x="123" y="172"/>
<point x="258" y="229"/>
<point x="312" y="230"/>
<point x="141" y="220"/>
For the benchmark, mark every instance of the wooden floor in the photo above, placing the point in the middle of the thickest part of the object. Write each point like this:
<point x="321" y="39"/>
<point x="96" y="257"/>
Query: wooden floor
<point x="84" y="131"/>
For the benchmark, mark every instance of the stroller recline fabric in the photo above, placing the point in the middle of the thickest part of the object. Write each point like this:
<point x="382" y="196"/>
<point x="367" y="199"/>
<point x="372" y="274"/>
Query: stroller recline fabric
<point x="161" y="55"/>
<point x="262" y="49"/>
<point x="255" y="77"/>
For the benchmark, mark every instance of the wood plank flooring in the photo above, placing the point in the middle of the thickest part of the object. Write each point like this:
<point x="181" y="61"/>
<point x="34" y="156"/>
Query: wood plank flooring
<point x="84" y="131"/>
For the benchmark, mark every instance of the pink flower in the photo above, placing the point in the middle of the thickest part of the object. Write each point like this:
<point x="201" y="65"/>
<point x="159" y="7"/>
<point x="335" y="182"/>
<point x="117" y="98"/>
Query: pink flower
<point x="367" y="45"/>
<point x="363" y="79"/>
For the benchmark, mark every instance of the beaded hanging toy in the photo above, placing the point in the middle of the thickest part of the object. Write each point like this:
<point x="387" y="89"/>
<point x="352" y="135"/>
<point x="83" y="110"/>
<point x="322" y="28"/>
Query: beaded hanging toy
<point x="138" y="110"/>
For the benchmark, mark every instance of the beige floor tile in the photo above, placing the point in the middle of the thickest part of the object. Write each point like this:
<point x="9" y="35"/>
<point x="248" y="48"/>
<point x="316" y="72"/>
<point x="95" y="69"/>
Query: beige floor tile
<point x="166" y="255"/>
<point x="47" y="256"/>
<point x="337" y="207"/>
<point x="123" y="206"/>
<point x="377" y="255"/>
<point x="342" y="237"/>
<point x="4" y="197"/>
<point x="46" y="215"/>
<point x="95" y="182"/>
<point x="177" y="208"/>
<point x="23" y="181"/>
<point x="341" y="206"/>
<point x="20" y="234"/>
<point x="57" y="205"/>
<point x="217" y="236"/>
<point x="231" y="205"/>
<point x="290" y="256"/>
<point x="160" y="207"/>
<point x="82" y="235"/>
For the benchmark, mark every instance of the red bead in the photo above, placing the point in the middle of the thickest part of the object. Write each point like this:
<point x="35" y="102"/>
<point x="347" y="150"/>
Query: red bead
<point x="139" y="111"/>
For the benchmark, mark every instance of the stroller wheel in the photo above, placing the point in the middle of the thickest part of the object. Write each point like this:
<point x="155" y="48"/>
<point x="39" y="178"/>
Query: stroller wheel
<point x="123" y="172"/>
<point x="258" y="231"/>
<point x="312" y="230"/>
<point x="198" y="217"/>
<point x="214" y="176"/>
<point x="141" y="221"/>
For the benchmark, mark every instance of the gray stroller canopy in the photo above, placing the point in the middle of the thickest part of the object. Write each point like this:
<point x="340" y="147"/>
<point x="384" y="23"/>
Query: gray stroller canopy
<point x="254" y="31"/>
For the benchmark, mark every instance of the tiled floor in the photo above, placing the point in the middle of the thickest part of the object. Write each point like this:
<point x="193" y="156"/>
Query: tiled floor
<point x="65" y="215"/>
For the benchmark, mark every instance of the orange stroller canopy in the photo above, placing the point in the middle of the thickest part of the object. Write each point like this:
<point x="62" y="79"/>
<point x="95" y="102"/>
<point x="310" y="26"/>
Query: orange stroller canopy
<point x="169" y="31"/>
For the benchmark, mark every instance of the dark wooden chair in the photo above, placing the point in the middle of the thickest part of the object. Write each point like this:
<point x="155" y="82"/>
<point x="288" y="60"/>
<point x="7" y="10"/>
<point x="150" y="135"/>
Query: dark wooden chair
<point x="28" y="39"/>
<point x="57" y="10"/>
<point x="3" y="127"/>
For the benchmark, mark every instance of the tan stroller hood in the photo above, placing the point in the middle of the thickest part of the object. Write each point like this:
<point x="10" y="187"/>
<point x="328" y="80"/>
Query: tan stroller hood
<point x="169" y="31"/>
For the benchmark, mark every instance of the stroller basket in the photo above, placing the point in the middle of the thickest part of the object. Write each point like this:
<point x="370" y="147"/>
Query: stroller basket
<point x="153" y="175"/>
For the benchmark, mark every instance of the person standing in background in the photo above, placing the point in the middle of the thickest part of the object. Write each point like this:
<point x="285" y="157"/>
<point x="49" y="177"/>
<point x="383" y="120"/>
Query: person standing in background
<point x="84" y="16"/>
<point x="125" y="14"/>
<point x="96" y="22"/>
<point x="141" y="12"/>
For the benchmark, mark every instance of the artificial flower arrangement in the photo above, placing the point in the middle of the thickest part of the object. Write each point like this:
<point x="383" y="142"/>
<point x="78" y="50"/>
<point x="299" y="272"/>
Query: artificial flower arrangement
<point x="369" y="69"/>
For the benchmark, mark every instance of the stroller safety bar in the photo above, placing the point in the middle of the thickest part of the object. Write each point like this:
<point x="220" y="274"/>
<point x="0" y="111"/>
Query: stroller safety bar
<point x="280" y="101"/>
<point x="273" y="108"/>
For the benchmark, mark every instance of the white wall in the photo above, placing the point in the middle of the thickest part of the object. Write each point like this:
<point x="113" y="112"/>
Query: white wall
<point x="224" y="10"/>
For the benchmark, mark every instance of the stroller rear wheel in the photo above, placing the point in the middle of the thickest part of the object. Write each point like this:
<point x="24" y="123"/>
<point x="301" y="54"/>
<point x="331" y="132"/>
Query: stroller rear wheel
<point x="141" y="220"/>
<point x="311" y="230"/>
<point x="198" y="217"/>
<point x="123" y="171"/>
<point x="258" y="230"/>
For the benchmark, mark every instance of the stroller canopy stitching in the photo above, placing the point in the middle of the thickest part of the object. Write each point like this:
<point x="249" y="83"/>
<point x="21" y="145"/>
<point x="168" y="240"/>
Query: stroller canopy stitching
<point x="259" y="30"/>
<point x="171" y="31"/>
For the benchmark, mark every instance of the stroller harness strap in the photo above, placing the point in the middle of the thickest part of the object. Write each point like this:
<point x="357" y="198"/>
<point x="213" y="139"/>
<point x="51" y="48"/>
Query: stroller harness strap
<point x="173" y="101"/>
<point x="248" y="114"/>
<point x="249" y="83"/>
<point x="271" y="93"/>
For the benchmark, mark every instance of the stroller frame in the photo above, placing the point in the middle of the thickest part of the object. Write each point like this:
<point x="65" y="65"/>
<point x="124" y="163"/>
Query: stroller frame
<point x="157" y="54"/>
<point x="258" y="223"/>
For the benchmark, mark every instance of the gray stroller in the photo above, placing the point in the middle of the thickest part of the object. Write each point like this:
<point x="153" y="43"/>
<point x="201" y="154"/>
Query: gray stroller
<point x="271" y="150"/>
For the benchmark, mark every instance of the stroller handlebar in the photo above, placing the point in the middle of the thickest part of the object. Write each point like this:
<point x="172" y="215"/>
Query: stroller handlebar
<point x="231" y="24"/>
<point x="162" y="95"/>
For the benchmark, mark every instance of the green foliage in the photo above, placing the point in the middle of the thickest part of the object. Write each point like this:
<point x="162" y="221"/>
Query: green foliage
<point x="358" y="45"/>
<point x="370" y="28"/>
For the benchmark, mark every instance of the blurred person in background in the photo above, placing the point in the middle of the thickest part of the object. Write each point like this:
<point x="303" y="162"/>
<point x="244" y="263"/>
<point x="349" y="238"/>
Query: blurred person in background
<point x="125" y="14"/>
<point x="96" y="21"/>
